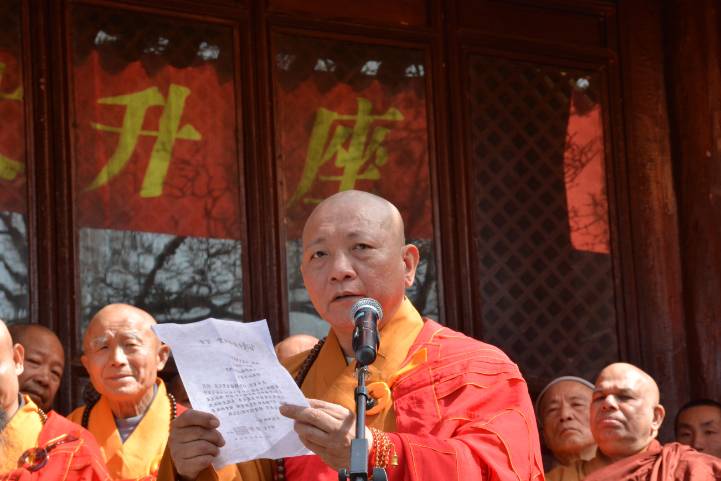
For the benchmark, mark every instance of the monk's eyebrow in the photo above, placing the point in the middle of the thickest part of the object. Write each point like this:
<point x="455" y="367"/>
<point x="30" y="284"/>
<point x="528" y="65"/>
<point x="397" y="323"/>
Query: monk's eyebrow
<point x="98" y="342"/>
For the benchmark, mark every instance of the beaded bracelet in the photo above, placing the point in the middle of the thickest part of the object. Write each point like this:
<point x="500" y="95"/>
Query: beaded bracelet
<point x="382" y="447"/>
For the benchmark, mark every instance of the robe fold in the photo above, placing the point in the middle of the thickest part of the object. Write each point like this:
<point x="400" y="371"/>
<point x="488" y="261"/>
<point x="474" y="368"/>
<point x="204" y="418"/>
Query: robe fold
<point x="139" y="456"/>
<point x="76" y="457"/>
<point x="453" y="407"/>
<point x="671" y="462"/>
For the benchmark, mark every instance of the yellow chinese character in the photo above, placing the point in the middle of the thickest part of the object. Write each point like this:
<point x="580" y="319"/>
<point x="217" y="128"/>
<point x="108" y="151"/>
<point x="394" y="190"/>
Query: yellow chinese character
<point x="9" y="168"/>
<point x="16" y="95"/>
<point x="361" y="149"/>
<point x="136" y="106"/>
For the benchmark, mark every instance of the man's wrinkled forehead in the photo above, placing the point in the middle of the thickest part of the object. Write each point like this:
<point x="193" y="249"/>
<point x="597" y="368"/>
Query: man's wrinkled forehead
<point x="127" y="325"/>
<point x="119" y="334"/>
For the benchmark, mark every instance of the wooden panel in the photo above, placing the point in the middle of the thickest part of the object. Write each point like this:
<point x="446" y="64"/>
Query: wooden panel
<point x="652" y="204"/>
<point x="400" y="13"/>
<point x="695" y="105"/>
<point x="548" y="24"/>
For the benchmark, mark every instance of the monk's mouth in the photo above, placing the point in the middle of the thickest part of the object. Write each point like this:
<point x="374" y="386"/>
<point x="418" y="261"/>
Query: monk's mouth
<point x="346" y="297"/>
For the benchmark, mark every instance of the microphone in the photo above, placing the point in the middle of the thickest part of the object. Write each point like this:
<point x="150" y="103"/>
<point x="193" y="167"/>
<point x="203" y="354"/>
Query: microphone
<point x="366" y="313"/>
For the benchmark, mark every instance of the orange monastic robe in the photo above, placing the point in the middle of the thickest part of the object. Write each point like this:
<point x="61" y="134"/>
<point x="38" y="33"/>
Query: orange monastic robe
<point x="74" y="457"/>
<point x="140" y="454"/>
<point x="454" y="407"/>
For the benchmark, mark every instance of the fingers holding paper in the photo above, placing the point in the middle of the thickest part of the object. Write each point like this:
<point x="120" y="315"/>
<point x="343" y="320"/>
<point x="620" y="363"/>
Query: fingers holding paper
<point x="194" y="441"/>
<point x="326" y="429"/>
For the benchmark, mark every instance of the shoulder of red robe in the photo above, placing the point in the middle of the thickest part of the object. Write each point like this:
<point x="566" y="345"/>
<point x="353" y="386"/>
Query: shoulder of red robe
<point x="72" y="455"/>
<point x="671" y="462"/>
<point x="465" y="410"/>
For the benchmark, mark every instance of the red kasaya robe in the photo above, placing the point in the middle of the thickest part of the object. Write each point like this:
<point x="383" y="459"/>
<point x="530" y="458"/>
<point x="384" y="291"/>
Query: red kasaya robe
<point x="672" y="462"/>
<point x="454" y="408"/>
<point x="75" y="458"/>
<point x="462" y="412"/>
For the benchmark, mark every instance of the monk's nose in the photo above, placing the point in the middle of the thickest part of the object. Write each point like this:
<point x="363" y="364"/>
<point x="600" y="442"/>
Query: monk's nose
<point x="342" y="268"/>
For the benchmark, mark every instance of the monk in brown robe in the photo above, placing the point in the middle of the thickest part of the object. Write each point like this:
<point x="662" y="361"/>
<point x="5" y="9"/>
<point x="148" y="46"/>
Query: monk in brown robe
<point x="625" y="418"/>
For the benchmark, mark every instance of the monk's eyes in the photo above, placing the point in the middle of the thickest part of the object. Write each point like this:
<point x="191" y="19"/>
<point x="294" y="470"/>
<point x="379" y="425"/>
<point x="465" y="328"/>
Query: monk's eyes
<point x="317" y="255"/>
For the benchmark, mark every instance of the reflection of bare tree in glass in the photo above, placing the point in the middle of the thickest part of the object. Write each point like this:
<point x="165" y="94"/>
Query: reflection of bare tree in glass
<point x="592" y="219"/>
<point x="176" y="279"/>
<point x="303" y="317"/>
<point x="13" y="268"/>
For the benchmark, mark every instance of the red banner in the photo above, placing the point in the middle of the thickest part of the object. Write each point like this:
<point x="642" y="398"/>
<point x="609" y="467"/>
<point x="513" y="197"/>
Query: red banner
<point x="156" y="153"/>
<point x="13" y="193"/>
<point x="373" y="139"/>
<point x="585" y="179"/>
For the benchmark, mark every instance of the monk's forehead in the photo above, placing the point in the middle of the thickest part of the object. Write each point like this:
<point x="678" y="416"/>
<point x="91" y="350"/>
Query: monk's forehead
<point x="119" y="320"/>
<point x="626" y="376"/>
<point x="352" y="212"/>
<point x="568" y="389"/>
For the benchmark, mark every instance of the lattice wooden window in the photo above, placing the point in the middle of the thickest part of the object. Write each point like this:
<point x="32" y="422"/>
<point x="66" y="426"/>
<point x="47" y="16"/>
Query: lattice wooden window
<point x="548" y="303"/>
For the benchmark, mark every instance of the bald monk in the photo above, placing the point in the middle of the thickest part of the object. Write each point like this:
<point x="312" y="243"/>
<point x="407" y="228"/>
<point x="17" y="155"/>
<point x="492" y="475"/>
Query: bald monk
<point x="447" y="406"/>
<point x="44" y="362"/>
<point x="132" y="417"/>
<point x="294" y="345"/>
<point x="27" y="432"/>
<point x="625" y="418"/>
<point x="563" y="408"/>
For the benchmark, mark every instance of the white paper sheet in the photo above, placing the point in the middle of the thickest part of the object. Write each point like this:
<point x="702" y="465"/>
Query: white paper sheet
<point x="230" y="369"/>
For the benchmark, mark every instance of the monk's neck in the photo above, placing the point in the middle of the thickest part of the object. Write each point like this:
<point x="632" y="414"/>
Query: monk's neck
<point x="568" y="459"/>
<point x="618" y="456"/>
<point x="127" y="409"/>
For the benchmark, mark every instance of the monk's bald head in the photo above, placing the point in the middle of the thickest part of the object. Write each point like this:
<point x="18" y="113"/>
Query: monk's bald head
<point x="123" y="355"/>
<point x="124" y="315"/>
<point x="11" y="366"/>
<point x="44" y="362"/>
<point x="625" y="410"/>
<point x="355" y="202"/>
<point x="292" y="345"/>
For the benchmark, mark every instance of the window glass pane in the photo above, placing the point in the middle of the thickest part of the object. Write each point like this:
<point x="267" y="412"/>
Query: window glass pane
<point x="352" y="116"/>
<point x="540" y="217"/>
<point x="14" y="282"/>
<point x="156" y="157"/>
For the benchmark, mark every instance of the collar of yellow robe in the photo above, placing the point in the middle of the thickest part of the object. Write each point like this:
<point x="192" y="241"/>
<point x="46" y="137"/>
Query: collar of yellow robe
<point x="21" y="433"/>
<point x="140" y="454"/>
<point x="332" y="380"/>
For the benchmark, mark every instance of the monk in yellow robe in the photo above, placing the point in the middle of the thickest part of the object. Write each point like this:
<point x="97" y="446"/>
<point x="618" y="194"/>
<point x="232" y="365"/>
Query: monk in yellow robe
<point x="446" y="405"/>
<point x="35" y="446"/>
<point x="563" y="410"/>
<point x="132" y="416"/>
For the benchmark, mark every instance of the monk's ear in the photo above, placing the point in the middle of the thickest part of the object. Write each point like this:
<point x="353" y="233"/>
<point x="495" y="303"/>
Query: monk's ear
<point x="659" y="412"/>
<point x="410" y="257"/>
<point x="163" y="354"/>
<point x="19" y="358"/>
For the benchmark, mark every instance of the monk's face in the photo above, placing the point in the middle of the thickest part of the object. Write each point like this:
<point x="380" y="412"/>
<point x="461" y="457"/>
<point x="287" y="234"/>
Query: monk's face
<point x="700" y="428"/>
<point x="44" y="364"/>
<point x="565" y="412"/>
<point x="354" y="249"/>
<point x="122" y="353"/>
<point x="11" y="366"/>
<point x="625" y="414"/>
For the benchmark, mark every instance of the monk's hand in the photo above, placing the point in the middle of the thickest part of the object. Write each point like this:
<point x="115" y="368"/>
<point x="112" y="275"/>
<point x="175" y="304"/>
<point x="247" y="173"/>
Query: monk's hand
<point x="194" y="441"/>
<point x="326" y="429"/>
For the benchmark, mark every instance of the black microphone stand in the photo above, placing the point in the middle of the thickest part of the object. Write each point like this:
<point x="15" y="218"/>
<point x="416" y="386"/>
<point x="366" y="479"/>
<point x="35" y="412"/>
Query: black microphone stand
<point x="359" y="445"/>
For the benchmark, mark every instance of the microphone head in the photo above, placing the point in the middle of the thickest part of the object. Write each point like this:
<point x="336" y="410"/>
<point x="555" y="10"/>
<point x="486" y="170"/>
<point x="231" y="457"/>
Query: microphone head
<point x="366" y="302"/>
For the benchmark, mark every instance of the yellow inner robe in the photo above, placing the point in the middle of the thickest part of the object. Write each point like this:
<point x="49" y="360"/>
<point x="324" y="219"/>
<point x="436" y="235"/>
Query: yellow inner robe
<point x="141" y="453"/>
<point x="332" y="379"/>
<point x="20" y="434"/>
